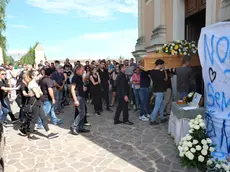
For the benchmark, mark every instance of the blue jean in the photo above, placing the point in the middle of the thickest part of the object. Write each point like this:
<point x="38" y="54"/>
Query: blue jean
<point x="159" y="106"/>
<point x="137" y="96"/>
<point x="4" y="110"/>
<point x="78" y="123"/>
<point x="58" y="97"/>
<point x="21" y="114"/>
<point x="144" y="97"/>
<point x="48" y="108"/>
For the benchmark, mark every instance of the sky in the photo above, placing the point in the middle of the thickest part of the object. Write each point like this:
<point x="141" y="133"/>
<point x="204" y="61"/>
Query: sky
<point x="75" y="29"/>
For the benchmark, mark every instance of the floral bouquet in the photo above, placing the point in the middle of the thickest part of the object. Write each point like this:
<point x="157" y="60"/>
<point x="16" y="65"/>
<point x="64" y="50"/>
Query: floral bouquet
<point x="196" y="148"/>
<point x="180" y="47"/>
<point x="217" y="166"/>
<point x="189" y="97"/>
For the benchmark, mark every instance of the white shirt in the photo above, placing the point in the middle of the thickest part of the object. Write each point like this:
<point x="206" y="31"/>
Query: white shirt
<point x="10" y="77"/>
<point x="33" y="84"/>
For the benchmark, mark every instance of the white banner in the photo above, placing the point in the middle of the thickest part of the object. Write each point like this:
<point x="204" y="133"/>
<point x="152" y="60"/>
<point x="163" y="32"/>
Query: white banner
<point x="214" y="53"/>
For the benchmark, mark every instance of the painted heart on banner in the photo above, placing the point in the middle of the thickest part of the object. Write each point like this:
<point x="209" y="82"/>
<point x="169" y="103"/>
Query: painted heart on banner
<point x="212" y="74"/>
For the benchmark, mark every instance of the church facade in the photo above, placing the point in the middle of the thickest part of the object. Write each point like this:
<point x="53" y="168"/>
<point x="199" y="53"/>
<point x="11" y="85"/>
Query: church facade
<point x="162" y="21"/>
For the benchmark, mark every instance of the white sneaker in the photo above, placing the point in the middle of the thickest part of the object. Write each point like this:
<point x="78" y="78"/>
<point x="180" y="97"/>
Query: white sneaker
<point x="144" y="118"/>
<point x="148" y="116"/>
<point x="140" y="117"/>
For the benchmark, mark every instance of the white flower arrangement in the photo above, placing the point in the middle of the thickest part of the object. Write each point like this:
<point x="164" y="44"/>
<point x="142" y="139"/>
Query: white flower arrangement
<point x="217" y="166"/>
<point x="196" y="148"/>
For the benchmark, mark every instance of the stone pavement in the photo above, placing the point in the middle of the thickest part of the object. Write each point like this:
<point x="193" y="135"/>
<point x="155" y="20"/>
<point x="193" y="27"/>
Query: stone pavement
<point x="108" y="148"/>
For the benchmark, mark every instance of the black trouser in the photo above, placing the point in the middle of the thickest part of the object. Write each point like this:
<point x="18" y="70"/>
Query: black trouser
<point x="26" y="124"/>
<point x="77" y="112"/>
<point x="122" y="106"/>
<point x="105" y="94"/>
<point x="12" y="117"/>
<point x="88" y="95"/>
<point x="37" y="111"/>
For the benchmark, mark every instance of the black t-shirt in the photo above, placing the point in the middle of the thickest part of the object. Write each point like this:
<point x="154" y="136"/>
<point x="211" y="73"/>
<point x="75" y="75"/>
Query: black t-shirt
<point x="3" y="94"/>
<point x="158" y="77"/>
<point x="69" y="65"/>
<point x="46" y="83"/>
<point x="104" y="76"/>
<point x="184" y="74"/>
<point x="23" y="88"/>
<point x="77" y="80"/>
<point x="68" y="72"/>
<point x="144" y="79"/>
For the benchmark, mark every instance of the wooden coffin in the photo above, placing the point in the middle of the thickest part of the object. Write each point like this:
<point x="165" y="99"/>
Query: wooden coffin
<point x="171" y="61"/>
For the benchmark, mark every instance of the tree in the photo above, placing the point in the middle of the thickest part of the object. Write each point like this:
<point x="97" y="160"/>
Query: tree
<point x="29" y="57"/>
<point x="8" y="59"/>
<point x="3" y="4"/>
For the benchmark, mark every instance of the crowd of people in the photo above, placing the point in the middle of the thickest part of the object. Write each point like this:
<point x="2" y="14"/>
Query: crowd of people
<point x="42" y="91"/>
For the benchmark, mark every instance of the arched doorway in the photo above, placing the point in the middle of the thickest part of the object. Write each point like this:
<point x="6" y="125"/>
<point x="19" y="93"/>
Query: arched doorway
<point x="195" y="12"/>
<point x="195" y="17"/>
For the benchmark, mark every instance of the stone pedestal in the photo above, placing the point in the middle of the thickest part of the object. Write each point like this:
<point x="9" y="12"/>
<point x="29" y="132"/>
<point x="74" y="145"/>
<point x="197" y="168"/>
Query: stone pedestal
<point x="224" y="13"/>
<point x="158" y="38"/>
<point x="139" y="49"/>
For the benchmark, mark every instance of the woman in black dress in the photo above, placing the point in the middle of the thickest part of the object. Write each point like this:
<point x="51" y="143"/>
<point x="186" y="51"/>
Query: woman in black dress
<point x="96" y="90"/>
<point x="114" y="87"/>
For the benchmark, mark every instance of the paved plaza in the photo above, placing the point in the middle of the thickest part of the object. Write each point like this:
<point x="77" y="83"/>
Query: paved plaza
<point x="108" y="148"/>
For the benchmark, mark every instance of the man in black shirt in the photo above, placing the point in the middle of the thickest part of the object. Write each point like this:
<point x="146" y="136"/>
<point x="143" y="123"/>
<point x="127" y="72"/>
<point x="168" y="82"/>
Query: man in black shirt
<point x="105" y="83"/>
<point x="47" y="86"/>
<point x="122" y="95"/>
<point x="158" y="76"/>
<point x="78" y="93"/>
<point x="59" y="79"/>
<point x="184" y="76"/>
<point x="168" y="94"/>
<point x="4" y="100"/>
<point x="144" y="95"/>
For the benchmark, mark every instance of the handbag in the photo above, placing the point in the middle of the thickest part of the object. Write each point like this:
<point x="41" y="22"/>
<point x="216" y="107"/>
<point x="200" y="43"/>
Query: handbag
<point x="18" y="100"/>
<point x="28" y="107"/>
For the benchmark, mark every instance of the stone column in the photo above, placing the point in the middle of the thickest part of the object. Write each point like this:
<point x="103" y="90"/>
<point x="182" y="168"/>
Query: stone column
<point x="178" y="20"/>
<point x="178" y="33"/>
<point x="210" y="12"/>
<point x="224" y="13"/>
<point x="140" y="19"/>
<point x="159" y="33"/>
<point x="140" y="45"/>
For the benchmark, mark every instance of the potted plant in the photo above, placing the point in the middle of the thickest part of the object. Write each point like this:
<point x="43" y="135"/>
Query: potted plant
<point x="196" y="147"/>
